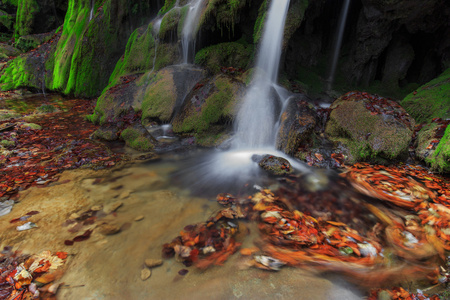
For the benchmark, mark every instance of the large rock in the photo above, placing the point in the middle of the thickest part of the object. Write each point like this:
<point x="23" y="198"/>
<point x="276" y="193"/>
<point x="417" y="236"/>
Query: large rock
<point x="296" y="125"/>
<point x="166" y="90"/>
<point x="213" y="102"/>
<point x="274" y="165"/>
<point x="138" y="138"/>
<point x="369" y="127"/>
<point x="433" y="145"/>
<point x="431" y="100"/>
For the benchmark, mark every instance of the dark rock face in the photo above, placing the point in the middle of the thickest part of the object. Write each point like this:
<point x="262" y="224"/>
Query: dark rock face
<point x="370" y="127"/>
<point x="273" y="164"/>
<point x="296" y="126"/>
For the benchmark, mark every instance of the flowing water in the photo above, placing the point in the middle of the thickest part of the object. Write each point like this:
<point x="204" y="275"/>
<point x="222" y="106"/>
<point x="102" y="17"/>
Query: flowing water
<point x="91" y="14"/>
<point x="255" y="124"/>
<point x="188" y="35"/>
<point x="338" y="43"/>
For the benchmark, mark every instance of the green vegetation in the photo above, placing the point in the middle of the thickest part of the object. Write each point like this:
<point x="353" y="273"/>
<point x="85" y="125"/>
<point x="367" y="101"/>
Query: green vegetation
<point x="224" y="12"/>
<point x="46" y="108"/>
<point x="440" y="159"/>
<point x="431" y="100"/>
<point x="226" y="54"/>
<point x="159" y="97"/>
<point x="134" y="139"/>
<point x="259" y="24"/>
<point x="7" y="143"/>
<point x="219" y="104"/>
<point x="169" y="24"/>
<point x="25" y="17"/>
<point x="168" y="5"/>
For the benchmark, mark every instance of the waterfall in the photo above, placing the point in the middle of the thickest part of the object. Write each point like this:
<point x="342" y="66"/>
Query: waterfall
<point x="190" y="30"/>
<point x="338" y="43"/>
<point x="255" y="122"/>
<point x="91" y="14"/>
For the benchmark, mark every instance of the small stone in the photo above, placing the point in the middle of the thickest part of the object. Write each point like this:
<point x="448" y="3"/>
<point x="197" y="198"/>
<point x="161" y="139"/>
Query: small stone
<point x="145" y="274"/>
<point x="113" y="207"/>
<point x="96" y="208"/>
<point x="109" y="229"/>
<point x="151" y="263"/>
<point x="139" y="218"/>
<point x="74" y="216"/>
<point x="384" y="295"/>
<point x="124" y="194"/>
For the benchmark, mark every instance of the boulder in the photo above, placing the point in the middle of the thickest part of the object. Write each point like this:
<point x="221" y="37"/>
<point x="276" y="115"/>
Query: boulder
<point x="296" y="125"/>
<point x="433" y="145"/>
<point x="431" y="100"/>
<point x="212" y="102"/>
<point x="369" y="127"/>
<point x="138" y="138"/>
<point x="8" y="51"/>
<point x="165" y="90"/>
<point x="274" y="165"/>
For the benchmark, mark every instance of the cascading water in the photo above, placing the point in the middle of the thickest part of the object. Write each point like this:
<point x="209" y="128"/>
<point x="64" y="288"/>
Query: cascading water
<point x="190" y="30"/>
<point x="91" y="14"/>
<point x="255" y="123"/>
<point x="338" y="43"/>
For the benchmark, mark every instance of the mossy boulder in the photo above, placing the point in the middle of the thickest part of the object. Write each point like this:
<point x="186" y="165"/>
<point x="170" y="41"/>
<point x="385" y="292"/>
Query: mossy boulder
<point x="165" y="90"/>
<point x="138" y="138"/>
<point x="8" y="51"/>
<point x="431" y="100"/>
<point x="369" y="127"/>
<point x="273" y="164"/>
<point x="234" y="54"/>
<point x="432" y="145"/>
<point x="224" y="13"/>
<point x="296" y="125"/>
<point x="29" y="42"/>
<point x="107" y="132"/>
<point x="211" y="104"/>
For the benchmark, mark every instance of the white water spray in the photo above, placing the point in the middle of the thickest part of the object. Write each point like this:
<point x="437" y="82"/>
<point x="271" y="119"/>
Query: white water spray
<point x="338" y="43"/>
<point x="255" y="122"/>
<point x="190" y="30"/>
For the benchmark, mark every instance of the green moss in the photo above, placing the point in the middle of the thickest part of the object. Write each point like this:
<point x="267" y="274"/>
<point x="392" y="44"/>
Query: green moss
<point x="166" y="55"/>
<point x="431" y="100"/>
<point x="6" y="143"/>
<point x="138" y="57"/>
<point x="46" y="108"/>
<point x="226" y="54"/>
<point x="259" y="24"/>
<point x="169" y="24"/>
<point x="7" y="21"/>
<point x="440" y="159"/>
<point x="221" y="103"/>
<point x="224" y="12"/>
<point x="135" y="140"/>
<point x="168" y="5"/>
<point x="366" y="136"/>
<point x="16" y="74"/>
<point x="294" y="18"/>
<point x="26" y="11"/>
<point x="160" y="97"/>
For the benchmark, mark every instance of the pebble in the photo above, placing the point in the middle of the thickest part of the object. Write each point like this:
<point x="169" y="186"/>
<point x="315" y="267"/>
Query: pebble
<point x="139" y="218"/>
<point x="151" y="263"/>
<point x="113" y="207"/>
<point x="109" y="229"/>
<point x="74" y="216"/>
<point x="124" y="194"/>
<point x="96" y="208"/>
<point x="145" y="274"/>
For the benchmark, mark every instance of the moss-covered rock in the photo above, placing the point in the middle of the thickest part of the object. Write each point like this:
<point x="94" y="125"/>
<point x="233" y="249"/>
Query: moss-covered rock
<point x="107" y="132"/>
<point x="29" y="42"/>
<point x="138" y="138"/>
<point x="87" y="53"/>
<point x="139" y="54"/>
<point x="273" y="164"/>
<point x="233" y="54"/>
<point x="431" y="100"/>
<point x="371" y="128"/>
<point x="26" y="11"/>
<point x="166" y="90"/>
<point x="6" y="114"/>
<point x="296" y="125"/>
<point x="213" y="102"/>
<point x="225" y="13"/>
<point x="294" y="19"/>
<point x="8" y="51"/>
<point x="430" y="138"/>
<point x="440" y="159"/>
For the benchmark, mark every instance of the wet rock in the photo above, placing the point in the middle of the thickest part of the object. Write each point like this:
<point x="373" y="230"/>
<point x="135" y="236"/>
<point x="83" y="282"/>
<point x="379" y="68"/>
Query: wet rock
<point x="164" y="91"/>
<point x="369" y="127"/>
<point x="210" y="108"/>
<point x="151" y="263"/>
<point x="297" y="125"/>
<point x="107" y="132"/>
<point x="139" y="218"/>
<point x="112" y="207"/>
<point x="138" y="138"/>
<point x="109" y="229"/>
<point x="145" y="274"/>
<point x="274" y="165"/>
